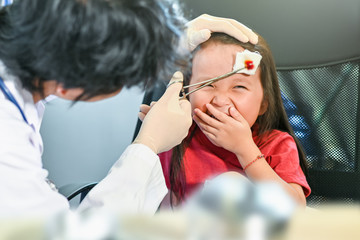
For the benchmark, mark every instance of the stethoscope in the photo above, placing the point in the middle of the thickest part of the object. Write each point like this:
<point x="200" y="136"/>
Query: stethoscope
<point x="11" y="98"/>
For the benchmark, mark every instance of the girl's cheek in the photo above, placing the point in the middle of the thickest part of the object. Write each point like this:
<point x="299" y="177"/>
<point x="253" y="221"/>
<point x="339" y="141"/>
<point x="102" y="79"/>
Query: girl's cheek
<point x="198" y="103"/>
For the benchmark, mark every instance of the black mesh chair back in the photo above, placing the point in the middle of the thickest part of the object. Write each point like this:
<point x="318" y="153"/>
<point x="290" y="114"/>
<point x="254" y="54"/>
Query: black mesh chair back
<point x="323" y="108"/>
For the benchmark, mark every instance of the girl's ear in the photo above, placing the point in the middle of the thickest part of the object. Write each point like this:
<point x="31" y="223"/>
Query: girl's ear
<point x="263" y="107"/>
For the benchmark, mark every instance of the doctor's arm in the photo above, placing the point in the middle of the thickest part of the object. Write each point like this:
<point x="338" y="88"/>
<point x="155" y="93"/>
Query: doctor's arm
<point x="23" y="186"/>
<point x="136" y="183"/>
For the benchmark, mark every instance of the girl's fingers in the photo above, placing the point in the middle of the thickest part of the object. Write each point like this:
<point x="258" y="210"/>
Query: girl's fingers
<point x="204" y="126"/>
<point x="211" y="137"/>
<point x="208" y="131"/>
<point x="141" y="116"/>
<point x="234" y="113"/>
<point x="207" y="119"/>
<point x="222" y="117"/>
<point x="144" y="108"/>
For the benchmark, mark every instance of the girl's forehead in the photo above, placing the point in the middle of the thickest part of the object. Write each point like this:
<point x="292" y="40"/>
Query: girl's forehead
<point x="217" y="53"/>
<point x="215" y="59"/>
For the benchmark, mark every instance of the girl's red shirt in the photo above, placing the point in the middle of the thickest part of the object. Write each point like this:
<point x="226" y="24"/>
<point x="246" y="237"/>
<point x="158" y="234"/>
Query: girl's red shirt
<point x="204" y="160"/>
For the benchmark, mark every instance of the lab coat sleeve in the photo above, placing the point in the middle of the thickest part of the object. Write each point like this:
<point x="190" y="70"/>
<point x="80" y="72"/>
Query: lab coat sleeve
<point x="135" y="184"/>
<point x="23" y="186"/>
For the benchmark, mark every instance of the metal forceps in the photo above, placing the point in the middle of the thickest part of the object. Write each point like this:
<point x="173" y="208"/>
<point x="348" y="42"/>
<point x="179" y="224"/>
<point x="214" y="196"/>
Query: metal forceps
<point x="208" y="82"/>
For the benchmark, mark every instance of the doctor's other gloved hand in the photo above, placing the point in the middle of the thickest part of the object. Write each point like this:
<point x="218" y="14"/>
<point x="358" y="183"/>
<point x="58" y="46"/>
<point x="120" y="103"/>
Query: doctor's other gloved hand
<point x="167" y="122"/>
<point x="199" y="30"/>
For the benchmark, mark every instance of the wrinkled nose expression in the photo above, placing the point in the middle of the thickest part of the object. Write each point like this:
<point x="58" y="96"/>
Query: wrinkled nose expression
<point x="241" y="91"/>
<point x="222" y="102"/>
<point x="220" y="94"/>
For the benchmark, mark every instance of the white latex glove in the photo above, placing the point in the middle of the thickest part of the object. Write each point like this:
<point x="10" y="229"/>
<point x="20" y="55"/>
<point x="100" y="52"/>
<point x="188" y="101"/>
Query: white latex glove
<point x="200" y="29"/>
<point x="168" y="121"/>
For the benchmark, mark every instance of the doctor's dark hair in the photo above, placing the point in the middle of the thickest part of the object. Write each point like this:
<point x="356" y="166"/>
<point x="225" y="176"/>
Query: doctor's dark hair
<point x="98" y="45"/>
<point x="275" y="116"/>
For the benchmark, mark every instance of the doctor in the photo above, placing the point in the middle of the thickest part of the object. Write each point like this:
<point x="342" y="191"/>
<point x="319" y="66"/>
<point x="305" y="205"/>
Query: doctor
<point x="87" y="51"/>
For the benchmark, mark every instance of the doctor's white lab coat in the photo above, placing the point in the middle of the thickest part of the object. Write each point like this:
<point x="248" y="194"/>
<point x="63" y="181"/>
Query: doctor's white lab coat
<point x="134" y="184"/>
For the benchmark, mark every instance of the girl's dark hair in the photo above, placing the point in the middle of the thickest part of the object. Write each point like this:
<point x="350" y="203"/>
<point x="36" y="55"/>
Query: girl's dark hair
<point x="98" y="45"/>
<point x="274" y="118"/>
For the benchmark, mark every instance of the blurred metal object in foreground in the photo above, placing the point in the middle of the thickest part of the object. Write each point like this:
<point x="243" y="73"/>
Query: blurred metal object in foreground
<point x="218" y="211"/>
<point x="231" y="207"/>
<point x="92" y="224"/>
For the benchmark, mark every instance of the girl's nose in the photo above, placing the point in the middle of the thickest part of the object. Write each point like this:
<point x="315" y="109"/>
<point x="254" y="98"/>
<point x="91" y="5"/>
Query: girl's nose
<point x="221" y="100"/>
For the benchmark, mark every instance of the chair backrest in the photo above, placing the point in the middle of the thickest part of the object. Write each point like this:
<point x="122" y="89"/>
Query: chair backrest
<point x="316" y="45"/>
<point x="325" y="117"/>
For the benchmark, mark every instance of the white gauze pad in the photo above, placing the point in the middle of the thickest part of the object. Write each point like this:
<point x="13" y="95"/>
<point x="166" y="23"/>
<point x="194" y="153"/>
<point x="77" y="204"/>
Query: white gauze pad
<point x="246" y="55"/>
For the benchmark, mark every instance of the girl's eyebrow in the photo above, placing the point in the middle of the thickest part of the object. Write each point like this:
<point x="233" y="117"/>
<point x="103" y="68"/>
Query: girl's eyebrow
<point x="212" y="80"/>
<point x="243" y="78"/>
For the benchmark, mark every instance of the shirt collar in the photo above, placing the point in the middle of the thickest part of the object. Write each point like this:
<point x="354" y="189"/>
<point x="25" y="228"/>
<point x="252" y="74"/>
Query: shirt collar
<point x="33" y="112"/>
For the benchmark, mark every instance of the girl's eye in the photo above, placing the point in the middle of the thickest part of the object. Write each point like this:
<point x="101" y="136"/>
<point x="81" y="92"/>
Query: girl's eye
<point x="240" y="86"/>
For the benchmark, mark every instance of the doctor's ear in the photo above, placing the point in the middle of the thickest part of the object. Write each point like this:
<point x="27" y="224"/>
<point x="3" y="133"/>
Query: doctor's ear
<point x="67" y="93"/>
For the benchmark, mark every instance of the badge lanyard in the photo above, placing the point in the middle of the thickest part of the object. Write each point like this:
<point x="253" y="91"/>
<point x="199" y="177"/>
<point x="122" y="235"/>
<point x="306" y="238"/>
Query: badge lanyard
<point x="11" y="98"/>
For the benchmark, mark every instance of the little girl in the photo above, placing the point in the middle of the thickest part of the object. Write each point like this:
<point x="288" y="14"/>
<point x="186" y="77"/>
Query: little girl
<point x="239" y="125"/>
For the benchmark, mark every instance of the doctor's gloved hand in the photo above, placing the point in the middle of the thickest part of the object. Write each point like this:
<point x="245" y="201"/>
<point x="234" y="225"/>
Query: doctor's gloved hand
<point x="200" y="29"/>
<point x="166" y="123"/>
